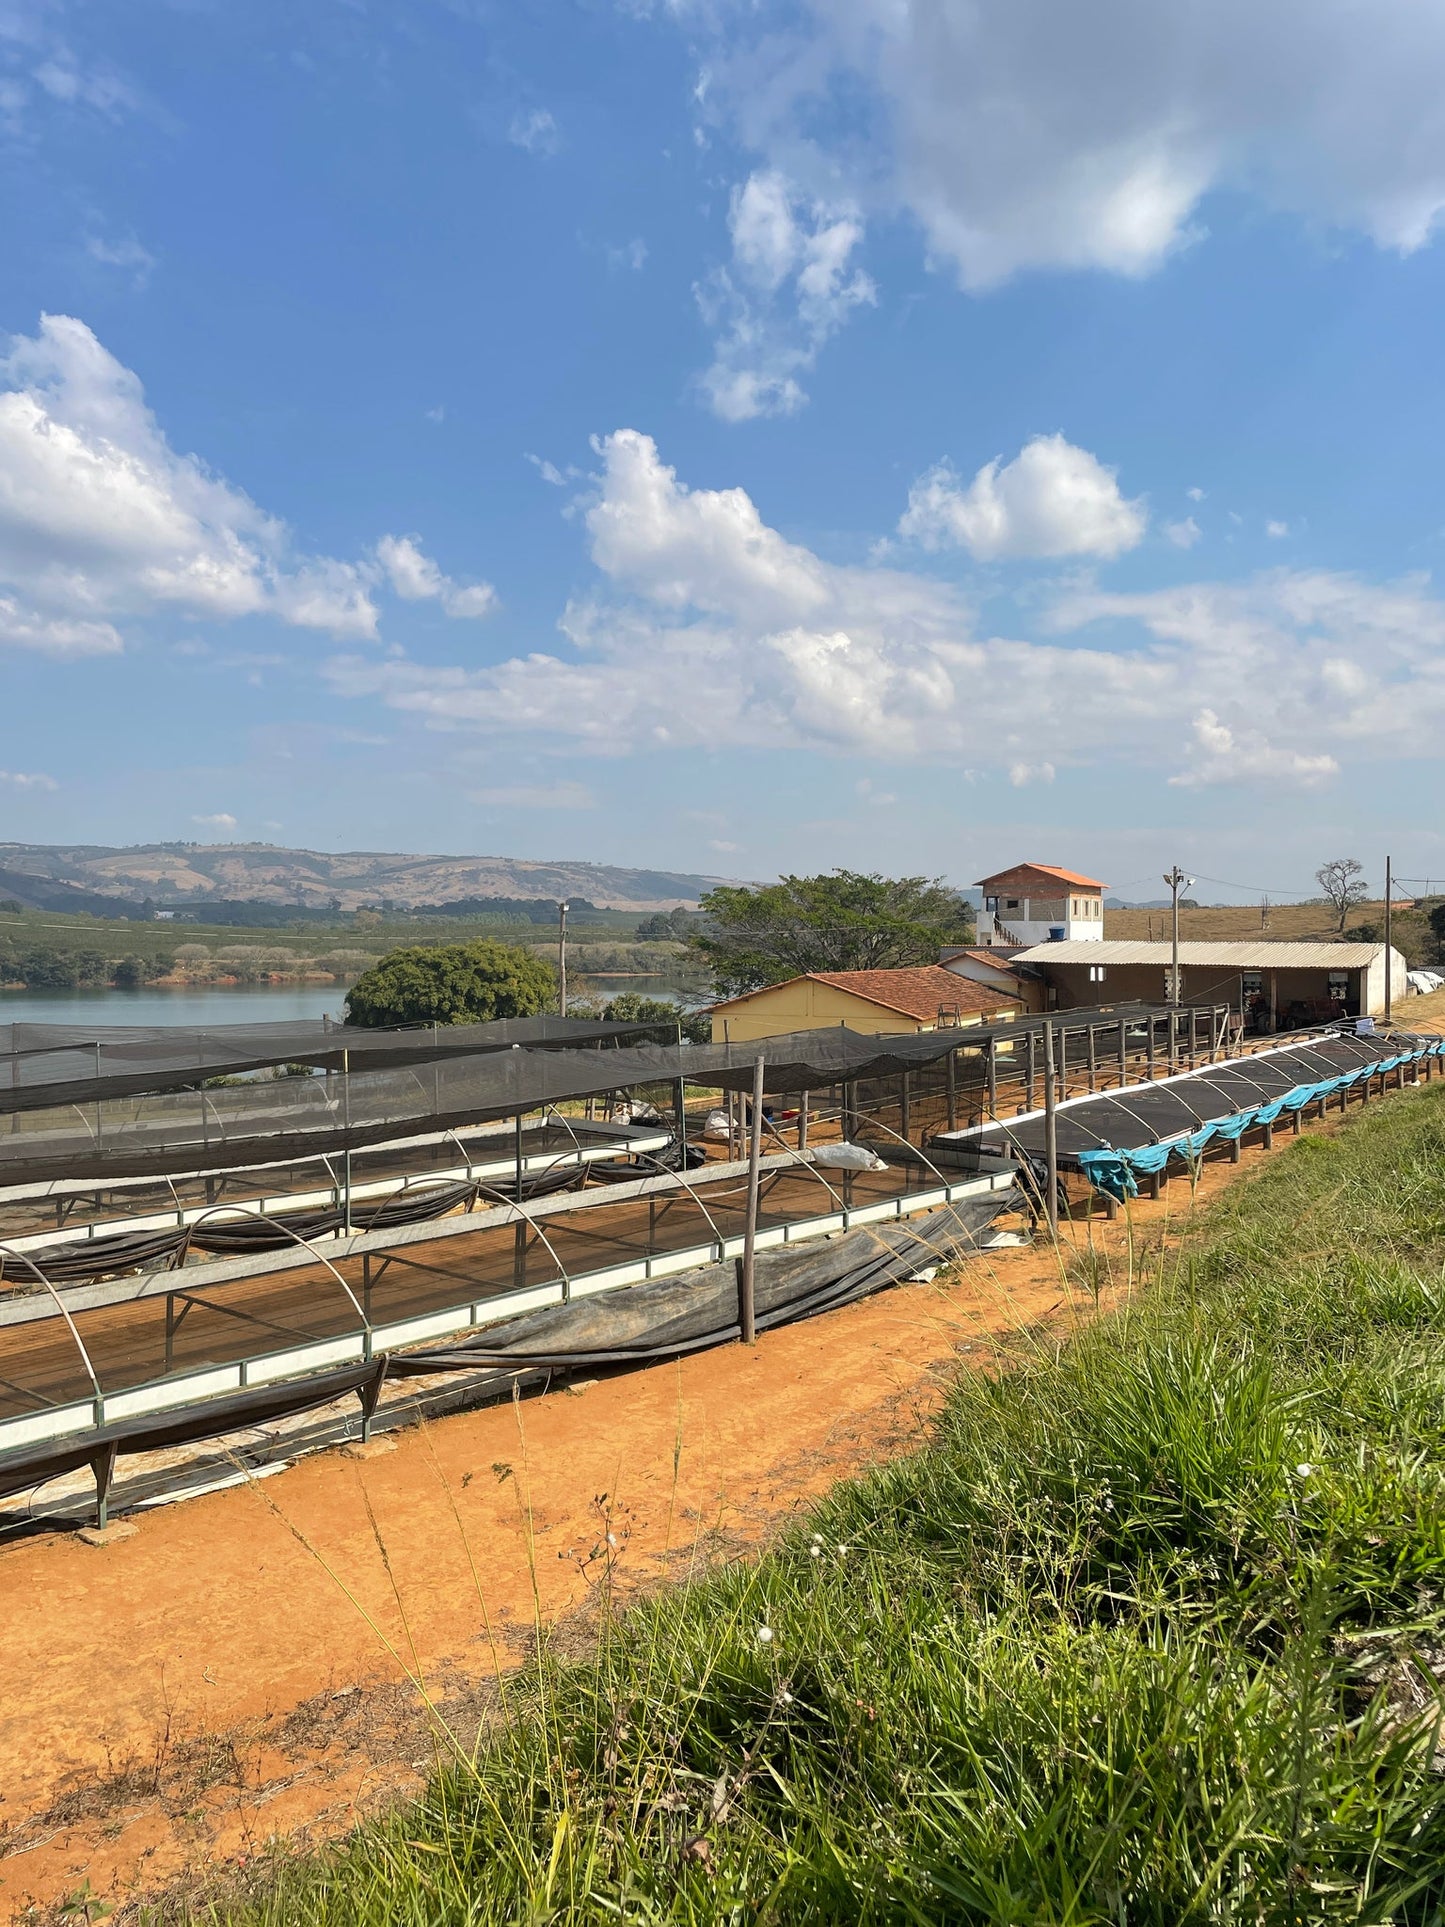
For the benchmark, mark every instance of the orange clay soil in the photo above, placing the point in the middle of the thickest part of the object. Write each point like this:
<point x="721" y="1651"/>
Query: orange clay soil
<point x="237" y="1672"/>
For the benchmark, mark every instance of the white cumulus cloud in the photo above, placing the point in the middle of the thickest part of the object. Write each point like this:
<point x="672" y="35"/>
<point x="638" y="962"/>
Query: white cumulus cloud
<point x="1023" y="135"/>
<point x="1052" y="500"/>
<point x="100" y="519"/>
<point x="707" y="627"/>
<point x="788" y="287"/>
<point x="416" y="578"/>
<point x="34" y="780"/>
<point x="220" y="820"/>
<point x="1183" y="534"/>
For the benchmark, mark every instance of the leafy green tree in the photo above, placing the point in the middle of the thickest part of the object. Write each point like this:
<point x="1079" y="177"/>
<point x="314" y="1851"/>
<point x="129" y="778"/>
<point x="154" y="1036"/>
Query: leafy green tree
<point x="452" y="983"/>
<point x="629" y="1007"/>
<point x="666" y="926"/>
<point x="844" y="921"/>
<point x="129" y="974"/>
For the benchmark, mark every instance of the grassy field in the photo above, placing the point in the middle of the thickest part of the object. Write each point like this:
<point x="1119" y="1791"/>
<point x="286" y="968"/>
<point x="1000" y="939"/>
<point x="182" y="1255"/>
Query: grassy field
<point x="1151" y="1633"/>
<point x="1288" y="922"/>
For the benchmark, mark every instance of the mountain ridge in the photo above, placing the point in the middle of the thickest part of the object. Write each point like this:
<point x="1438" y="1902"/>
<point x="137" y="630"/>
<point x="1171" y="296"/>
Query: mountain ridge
<point x="345" y="879"/>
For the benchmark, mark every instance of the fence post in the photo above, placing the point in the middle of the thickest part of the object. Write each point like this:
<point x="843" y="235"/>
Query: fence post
<point x="746" y="1292"/>
<point x="1051" y="1133"/>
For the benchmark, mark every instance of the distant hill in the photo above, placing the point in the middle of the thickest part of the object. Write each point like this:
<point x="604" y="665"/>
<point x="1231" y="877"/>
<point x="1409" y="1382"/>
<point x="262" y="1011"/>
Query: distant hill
<point x="44" y="876"/>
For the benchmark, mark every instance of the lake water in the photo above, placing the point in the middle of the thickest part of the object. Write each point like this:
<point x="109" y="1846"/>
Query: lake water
<point x="195" y="1005"/>
<point x="199" y="1005"/>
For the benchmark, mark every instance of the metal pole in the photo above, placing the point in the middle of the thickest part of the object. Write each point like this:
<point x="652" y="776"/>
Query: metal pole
<point x="346" y="1107"/>
<point x="746" y="1295"/>
<point x="562" y="959"/>
<point x="1389" y="973"/>
<point x="681" y="1124"/>
<point x="1051" y="1133"/>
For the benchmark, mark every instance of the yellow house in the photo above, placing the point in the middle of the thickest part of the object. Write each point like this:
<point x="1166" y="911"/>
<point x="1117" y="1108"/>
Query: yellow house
<point x="876" y="1002"/>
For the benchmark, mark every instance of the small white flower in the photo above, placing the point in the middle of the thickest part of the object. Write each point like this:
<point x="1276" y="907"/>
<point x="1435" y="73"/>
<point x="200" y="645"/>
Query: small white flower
<point x="815" y="1552"/>
<point x="612" y="1540"/>
<point x="765" y="1635"/>
<point x="787" y="1699"/>
<point x="1304" y="1470"/>
<point x="817" y="1538"/>
<point x="842" y="1552"/>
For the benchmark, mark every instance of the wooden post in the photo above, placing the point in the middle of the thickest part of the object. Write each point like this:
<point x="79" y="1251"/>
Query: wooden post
<point x="681" y="1124"/>
<point x="993" y="1077"/>
<point x="1123" y="1056"/>
<point x="1029" y="1075"/>
<point x="1093" y="1061"/>
<point x="803" y="1122"/>
<point x="746" y="1294"/>
<point x="1051" y="1134"/>
<point x="952" y="1075"/>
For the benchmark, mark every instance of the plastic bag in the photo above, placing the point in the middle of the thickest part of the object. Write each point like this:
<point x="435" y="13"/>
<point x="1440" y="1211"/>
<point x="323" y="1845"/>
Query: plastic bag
<point x="847" y="1157"/>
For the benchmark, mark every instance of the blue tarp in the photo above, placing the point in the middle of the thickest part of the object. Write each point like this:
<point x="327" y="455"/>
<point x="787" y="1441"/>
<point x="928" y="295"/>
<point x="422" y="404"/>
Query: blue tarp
<point x="1116" y="1172"/>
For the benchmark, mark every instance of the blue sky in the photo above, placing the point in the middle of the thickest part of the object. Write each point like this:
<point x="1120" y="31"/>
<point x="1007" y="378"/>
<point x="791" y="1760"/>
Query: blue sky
<point x="727" y="436"/>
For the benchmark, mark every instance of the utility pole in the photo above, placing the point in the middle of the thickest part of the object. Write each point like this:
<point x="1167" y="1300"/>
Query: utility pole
<point x="1176" y="880"/>
<point x="562" y="959"/>
<point x="1389" y="954"/>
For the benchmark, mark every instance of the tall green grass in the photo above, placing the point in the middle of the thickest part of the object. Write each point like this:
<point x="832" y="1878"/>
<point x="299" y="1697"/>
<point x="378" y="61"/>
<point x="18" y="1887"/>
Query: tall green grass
<point x="1149" y="1633"/>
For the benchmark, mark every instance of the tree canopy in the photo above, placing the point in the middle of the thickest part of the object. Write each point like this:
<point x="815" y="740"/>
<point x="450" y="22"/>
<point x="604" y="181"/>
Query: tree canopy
<point x="451" y="983"/>
<point x="846" y="920"/>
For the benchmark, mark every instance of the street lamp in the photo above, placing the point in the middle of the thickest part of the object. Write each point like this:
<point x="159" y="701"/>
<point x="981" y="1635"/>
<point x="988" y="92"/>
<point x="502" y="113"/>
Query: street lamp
<point x="562" y="959"/>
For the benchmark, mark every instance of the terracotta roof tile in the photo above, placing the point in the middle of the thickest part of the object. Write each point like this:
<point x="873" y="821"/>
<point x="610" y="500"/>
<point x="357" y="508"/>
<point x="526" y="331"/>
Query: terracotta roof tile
<point x="1044" y="869"/>
<point x="920" y="992"/>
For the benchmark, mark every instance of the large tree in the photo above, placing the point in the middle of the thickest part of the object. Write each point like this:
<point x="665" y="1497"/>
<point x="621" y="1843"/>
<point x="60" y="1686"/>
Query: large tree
<point x="1343" y="881"/>
<point x="843" y="921"/>
<point x="452" y="983"/>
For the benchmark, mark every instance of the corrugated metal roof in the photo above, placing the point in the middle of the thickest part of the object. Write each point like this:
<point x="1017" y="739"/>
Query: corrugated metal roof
<point x="1215" y="956"/>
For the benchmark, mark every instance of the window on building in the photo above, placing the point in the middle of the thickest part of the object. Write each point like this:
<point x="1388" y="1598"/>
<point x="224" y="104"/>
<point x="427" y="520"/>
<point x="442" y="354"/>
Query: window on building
<point x="1096" y="973"/>
<point x="1011" y="903"/>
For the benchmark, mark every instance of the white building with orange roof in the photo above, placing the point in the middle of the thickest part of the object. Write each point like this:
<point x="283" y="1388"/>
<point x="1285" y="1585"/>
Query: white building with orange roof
<point x="1035" y="903"/>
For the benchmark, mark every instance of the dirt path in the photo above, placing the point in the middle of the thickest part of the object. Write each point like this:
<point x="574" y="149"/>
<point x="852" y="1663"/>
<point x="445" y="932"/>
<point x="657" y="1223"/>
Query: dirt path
<point x="237" y="1671"/>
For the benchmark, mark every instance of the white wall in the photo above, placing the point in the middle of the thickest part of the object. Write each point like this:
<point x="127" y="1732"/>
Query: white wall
<point x="1399" y="985"/>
